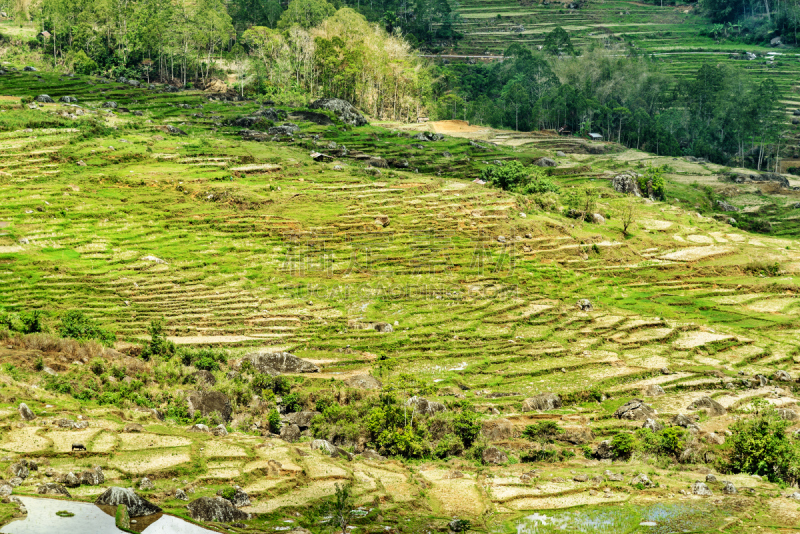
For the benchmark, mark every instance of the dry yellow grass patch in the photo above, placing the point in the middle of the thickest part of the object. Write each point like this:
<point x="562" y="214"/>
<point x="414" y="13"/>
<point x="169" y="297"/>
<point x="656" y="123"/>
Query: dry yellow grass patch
<point x="143" y="462"/>
<point x="696" y="253"/>
<point x="105" y="442"/>
<point x="25" y="440"/>
<point x="690" y="340"/>
<point x="62" y="441"/>
<point x="317" y="468"/>
<point x="297" y="497"/>
<point x="566" y="501"/>
<point x="130" y="441"/>
<point x="216" y="449"/>
<point x="771" y="305"/>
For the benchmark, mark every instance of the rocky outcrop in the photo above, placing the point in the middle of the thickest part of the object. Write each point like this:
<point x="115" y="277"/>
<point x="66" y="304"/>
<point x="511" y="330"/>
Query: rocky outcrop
<point x="364" y="381"/>
<point x="137" y="506"/>
<point x="604" y="451"/>
<point x="726" y="206"/>
<point x="545" y="162"/>
<point x="653" y="425"/>
<point x="215" y="509"/>
<point x="343" y="109"/>
<point x="275" y="363"/>
<point x="208" y="403"/>
<point x="330" y="449"/>
<point x="44" y="99"/>
<point x="199" y="427"/>
<point x="220" y="431"/>
<point x="133" y="427"/>
<point x="204" y="377"/>
<point x="635" y="410"/>
<point x="577" y="435"/>
<point x="542" y="402"/>
<point x="146" y="484"/>
<point x="783" y="376"/>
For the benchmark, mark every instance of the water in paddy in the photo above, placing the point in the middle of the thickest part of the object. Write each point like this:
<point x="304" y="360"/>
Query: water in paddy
<point x="89" y="518"/>
<point x="666" y="518"/>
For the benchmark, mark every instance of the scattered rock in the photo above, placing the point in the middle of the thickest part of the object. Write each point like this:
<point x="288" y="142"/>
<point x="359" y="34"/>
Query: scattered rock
<point x="20" y="469"/>
<point x="209" y="402"/>
<point x="729" y="488"/>
<point x="181" y="495"/>
<point x="604" y="451"/>
<point x="68" y="99"/>
<point x="51" y="488"/>
<point x="26" y="413"/>
<point x="709" y="405"/>
<point x="134" y="427"/>
<point x="493" y="455"/>
<point x="170" y="129"/>
<point x="28" y="68"/>
<point x="710" y="478"/>
<point x="330" y="449"/>
<point x="382" y="220"/>
<point x="110" y="104"/>
<point x="542" y="402"/>
<point x="220" y="431"/>
<point x="786" y="414"/>
<point x="459" y="525"/>
<point x="682" y="420"/>
<point x="70" y="480"/>
<point x="137" y="506"/>
<point x="275" y="363"/>
<point x="700" y="488"/>
<point x="146" y="484"/>
<point x="93" y="477"/>
<point x="44" y="99"/>
<point x="577" y="435"/>
<point x="204" y="377"/>
<point x="783" y="376"/>
<point x="635" y="410"/>
<point x="642" y="479"/>
<point x="199" y="427"/>
<point x="598" y="219"/>
<point x="215" y="509"/>
<point x="384" y="328"/>
<point x="545" y="162"/>
<point x="715" y="439"/>
<point x="653" y="425"/>
<point x="585" y="305"/>
<point x="239" y="499"/>
<point x="726" y="206"/>
<point x="581" y="478"/>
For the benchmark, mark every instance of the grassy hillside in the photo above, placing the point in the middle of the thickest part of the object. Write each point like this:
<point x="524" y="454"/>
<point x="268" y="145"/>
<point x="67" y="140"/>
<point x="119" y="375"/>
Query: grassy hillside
<point x="245" y="244"/>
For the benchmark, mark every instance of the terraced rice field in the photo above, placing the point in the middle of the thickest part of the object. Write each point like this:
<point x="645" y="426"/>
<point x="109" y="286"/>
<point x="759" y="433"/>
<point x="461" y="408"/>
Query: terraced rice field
<point x="242" y="244"/>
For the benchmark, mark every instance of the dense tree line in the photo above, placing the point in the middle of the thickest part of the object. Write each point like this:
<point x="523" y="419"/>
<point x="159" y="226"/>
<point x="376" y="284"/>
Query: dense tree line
<point x="306" y="49"/>
<point x="718" y="113"/>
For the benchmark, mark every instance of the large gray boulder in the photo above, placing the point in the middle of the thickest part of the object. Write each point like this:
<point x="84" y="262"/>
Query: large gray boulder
<point x="635" y="410"/>
<point x="422" y="405"/>
<point x="137" y="506"/>
<point x="542" y="402"/>
<point x="642" y="479"/>
<point x="627" y="183"/>
<point x="545" y="162"/>
<point x="19" y="469"/>
<point x="343" y="109"/>
<point x="653" y="425"/>
<point x="364" y="381"/>
<point x="709" y="405"/>
<point x="301" y="419"/>
<point x="215" y="509"/>
<point x="290" y="433"/>
<point x="44" y="99"/>
<point x="26" y="413"/>
<point x="51" y="488"/>
<point x="326" y="447"/>
<point x="209" y="402"/>
<point x="275" y="363"/>
<point x="700" y="488"/>
<point x="604" y="450"/>
<point x="92" y="477"/>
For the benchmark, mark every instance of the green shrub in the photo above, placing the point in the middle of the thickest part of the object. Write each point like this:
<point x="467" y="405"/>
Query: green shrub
<point x="292" y="402"/>
<point x="543" y="433"/>
<point x="83" y="64"/>
<point x="760" y="446"/>
<point x="39" y="365"/>
<point x="76" y="325"/>
<point x="274" y="419"/>
<point x="159" y="344"/>
<point x="467" y="427"/>
<point x="449" y="445"/>
<point x="228" y="493"/>
<point x="98" y="366"/>
<point x="204" y="359"/>
<point x="623" y="444"/>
